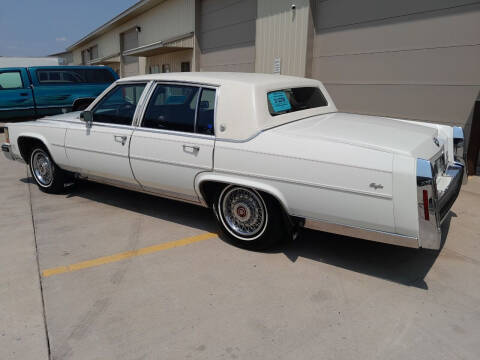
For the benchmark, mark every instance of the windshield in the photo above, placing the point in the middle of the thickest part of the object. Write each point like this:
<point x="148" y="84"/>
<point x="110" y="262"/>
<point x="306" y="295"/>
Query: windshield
<point x="295" y="99"/>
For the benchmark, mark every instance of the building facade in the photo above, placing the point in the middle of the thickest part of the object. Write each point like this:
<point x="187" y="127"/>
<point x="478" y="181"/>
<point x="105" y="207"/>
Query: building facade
<point x="410" y="59"/>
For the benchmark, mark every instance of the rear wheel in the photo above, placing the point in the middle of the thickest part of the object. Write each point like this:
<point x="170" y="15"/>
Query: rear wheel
<point x="248" y="219"/>
<point x="47" y="175"/>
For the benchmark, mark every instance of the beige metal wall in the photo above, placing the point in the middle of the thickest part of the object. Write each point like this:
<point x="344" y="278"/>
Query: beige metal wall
<point x="409" y="59"/>
<point x="282" y="33"/>
<point x="174" y="59"/>
<point x="226" y="35"/>
<point x="168" y="19"/>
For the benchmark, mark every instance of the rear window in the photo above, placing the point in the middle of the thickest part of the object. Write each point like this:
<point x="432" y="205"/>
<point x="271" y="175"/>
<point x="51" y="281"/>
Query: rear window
<point x="295" y="99"/>
<point x="75" y="76"/>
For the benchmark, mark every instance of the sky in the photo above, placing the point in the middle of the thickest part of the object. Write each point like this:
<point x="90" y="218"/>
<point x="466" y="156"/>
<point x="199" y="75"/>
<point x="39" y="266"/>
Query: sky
<point x="44" y="27"/>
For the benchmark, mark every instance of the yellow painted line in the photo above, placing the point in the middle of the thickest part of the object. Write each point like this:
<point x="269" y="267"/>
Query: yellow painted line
<point x="126" y="255"/>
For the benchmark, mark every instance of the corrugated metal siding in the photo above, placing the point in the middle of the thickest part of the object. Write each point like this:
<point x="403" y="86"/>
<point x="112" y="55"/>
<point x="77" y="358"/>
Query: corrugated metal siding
<point x="282" y="33"/>
<point x="174" y="59"/>
<point x="408" y="59"/>
<point x="226" y="35"/>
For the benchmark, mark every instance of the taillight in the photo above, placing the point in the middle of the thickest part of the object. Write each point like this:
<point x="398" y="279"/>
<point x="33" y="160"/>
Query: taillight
<point x="7" y="138"/>
<point x="426" y="210"/>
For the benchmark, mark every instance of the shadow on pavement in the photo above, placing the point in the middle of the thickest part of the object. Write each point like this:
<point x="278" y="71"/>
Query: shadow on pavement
<point x="401" y="265"/>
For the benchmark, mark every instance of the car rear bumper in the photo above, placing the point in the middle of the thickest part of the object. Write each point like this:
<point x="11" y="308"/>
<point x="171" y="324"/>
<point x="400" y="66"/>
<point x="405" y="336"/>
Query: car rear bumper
<point x="436" y="194"/>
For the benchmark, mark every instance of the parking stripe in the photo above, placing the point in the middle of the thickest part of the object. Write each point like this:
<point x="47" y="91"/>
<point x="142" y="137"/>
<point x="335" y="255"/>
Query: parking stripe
<point x="126" y="255"/>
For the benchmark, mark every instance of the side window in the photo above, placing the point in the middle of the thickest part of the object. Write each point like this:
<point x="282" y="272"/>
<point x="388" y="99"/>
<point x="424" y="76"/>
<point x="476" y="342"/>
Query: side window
<point x="118" y="106"/>
<point x="170" y="108"/>
<point x="206" y="112"/>
<point x="11" y="80"/>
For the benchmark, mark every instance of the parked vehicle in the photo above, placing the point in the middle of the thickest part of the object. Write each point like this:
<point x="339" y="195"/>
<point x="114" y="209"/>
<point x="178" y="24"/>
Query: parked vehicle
<point x="268" y="153"/>
<point x="49" y="90"/>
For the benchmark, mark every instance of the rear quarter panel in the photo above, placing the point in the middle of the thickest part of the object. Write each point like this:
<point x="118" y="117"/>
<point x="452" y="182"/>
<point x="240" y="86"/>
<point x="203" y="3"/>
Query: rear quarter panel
<point x="317" y="179"/>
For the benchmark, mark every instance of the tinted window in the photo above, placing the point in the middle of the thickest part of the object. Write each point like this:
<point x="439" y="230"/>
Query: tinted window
<point x="172" y="107"/>
<point x="206" y="112"/>
<point x="74" y="76"/>
<point x="295" y="99"/>
<point x="10" y="80"/>
<point x="118" y="106"/>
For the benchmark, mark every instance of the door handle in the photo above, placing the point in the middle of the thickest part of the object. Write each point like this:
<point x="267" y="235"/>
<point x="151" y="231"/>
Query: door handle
<point x="23" y="94"/>
<point x="120" y="139"/>
<point x="191" y="148"/>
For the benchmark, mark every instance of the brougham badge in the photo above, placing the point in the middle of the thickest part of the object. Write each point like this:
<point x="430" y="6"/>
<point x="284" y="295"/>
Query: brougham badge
<point x="436" y="142"/>
<point x="376" y="186"/>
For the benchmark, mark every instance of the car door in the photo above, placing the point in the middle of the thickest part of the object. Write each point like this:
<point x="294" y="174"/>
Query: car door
<point x="100" y="150"/>
<point x="175" y="140"/>
<point x="16" y="99"/>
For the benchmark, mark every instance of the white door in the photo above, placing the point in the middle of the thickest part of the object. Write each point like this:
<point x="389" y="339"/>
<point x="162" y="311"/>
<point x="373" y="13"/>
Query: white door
<point x="175" y="140"/>
<point x="101" y="151"/>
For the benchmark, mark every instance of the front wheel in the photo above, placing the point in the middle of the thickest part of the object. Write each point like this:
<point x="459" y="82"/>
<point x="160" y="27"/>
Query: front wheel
<point x="47" y="175"/>
<point x="249" y="220"/>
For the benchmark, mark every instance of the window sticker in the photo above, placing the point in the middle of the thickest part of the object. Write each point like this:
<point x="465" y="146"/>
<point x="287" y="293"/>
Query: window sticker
<point x="279" y="101"/>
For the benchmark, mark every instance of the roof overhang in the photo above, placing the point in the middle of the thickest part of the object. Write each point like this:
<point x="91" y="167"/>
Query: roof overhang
<point x="132" y="12"/>
<point x="110" y="59"/>
<point x="177" y="43"/>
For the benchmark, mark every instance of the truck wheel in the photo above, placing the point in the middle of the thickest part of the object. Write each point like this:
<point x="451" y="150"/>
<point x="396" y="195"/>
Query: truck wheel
<point x="47" y="175"/>
<point x="247" y="219"/>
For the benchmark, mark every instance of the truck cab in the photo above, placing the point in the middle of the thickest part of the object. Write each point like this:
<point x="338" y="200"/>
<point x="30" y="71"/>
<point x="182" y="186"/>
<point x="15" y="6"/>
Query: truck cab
<point x="48" y="90"/>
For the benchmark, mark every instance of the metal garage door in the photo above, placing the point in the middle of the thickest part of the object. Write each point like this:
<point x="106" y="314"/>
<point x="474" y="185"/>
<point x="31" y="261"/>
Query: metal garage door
<point x="409" y="59"/>
<point x="130" y="65"/>
<point x="227" y="35"/>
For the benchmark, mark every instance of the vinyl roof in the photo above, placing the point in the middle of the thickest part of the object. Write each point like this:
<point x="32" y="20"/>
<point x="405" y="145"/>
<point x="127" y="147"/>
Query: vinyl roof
<point x="221" y="78"/>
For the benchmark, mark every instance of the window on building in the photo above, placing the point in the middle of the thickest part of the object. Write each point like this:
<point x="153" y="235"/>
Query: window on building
<point x="172" y="107"/>
<point x="185" y="67"/>
<point x="11" y="80"/>
<point x="74" y="76"/>
<point x="84" y="57"/>
<point x="118" y="106"/>
<point x="165" y="68"/>
<point x="94" y="52"/>
<point x="206" y="112"/>
<point x="154" y="69"/>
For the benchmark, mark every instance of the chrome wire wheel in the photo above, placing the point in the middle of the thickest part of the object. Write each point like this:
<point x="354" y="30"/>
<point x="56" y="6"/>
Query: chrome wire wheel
<point x="243" y="213"/>
<point x="42" y="168"/>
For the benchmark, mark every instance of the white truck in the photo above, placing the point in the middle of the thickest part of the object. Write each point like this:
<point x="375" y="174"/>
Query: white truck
<point x="268" y="153"/>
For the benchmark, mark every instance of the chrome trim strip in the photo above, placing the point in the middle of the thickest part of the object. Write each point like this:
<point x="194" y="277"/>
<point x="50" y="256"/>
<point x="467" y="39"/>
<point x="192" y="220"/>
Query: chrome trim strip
<point x="192" y="166"/>
<point x="96" y="151"/>
<point x="17" y="108"/>
<point x="174" y="133"/>
<point x="429" y="233"/>
<point x="306" y="159"/>
<point x="187" y="83"/>
<point x="459" y="153"/>
<point x="320" y="186"/>
<point x="54" y="107"/>
<point x="362" y="233"/>
<point x="148" y="191"/>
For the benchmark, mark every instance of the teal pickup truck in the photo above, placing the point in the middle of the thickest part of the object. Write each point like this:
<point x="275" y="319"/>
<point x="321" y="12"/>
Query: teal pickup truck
<point x="49" y="90"/>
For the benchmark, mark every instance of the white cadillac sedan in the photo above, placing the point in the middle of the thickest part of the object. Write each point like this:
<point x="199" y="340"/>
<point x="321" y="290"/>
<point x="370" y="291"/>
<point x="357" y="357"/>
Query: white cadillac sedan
<point x="268" y="153"/>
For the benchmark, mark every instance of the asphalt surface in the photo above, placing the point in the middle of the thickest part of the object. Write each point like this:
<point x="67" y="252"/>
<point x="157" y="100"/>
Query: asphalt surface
<point x="122" y="275"/>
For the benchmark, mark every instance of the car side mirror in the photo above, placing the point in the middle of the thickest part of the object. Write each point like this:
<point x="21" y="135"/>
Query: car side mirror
<point x="87" y="117"/>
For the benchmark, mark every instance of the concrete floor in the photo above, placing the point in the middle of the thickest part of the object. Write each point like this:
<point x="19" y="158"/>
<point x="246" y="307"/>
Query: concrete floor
<point x="321" y="297"/>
